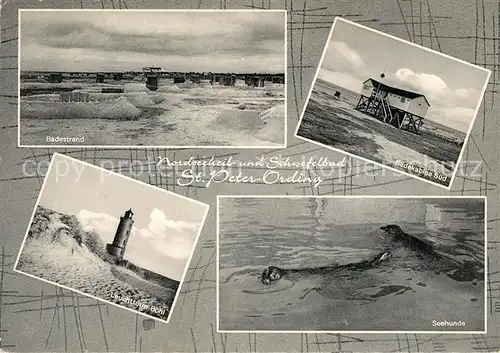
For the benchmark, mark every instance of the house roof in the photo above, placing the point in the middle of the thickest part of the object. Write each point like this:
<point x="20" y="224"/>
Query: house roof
<point x="399" y="91"/>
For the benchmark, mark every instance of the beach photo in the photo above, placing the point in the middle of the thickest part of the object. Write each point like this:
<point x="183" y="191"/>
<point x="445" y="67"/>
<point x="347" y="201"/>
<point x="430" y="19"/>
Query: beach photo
<point x="393" y="103"/>
<point x="152" y="78"/>
<point x="110" y="237"/>
<point x="351" y="264"/>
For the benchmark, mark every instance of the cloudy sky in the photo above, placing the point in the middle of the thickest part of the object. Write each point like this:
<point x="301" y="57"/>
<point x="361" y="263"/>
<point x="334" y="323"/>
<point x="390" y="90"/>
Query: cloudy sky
<point x="452" y="88"/>
<point x="175" y="41"/>
<point x="165" y="226"/>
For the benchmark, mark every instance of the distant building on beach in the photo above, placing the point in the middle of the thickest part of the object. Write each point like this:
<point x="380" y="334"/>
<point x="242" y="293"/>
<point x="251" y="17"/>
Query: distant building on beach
<point x="401" y="108"/>
<point x="55" y="77"/>
<point x="117" y="248"/>
<point x="151" y="74"/>
<point x="255" y="81"/>
<point x="227" y="80"/>
<point x="99" y="77"/>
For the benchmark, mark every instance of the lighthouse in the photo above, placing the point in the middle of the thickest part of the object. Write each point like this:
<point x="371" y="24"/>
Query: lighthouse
<point x="117" y="248"/>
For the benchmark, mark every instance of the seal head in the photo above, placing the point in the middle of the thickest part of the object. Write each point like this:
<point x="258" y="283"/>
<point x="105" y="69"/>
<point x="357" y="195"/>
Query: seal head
<point x="271" y="274"/>
<point x="399" y="236"/>
<point x="392" y="229"/>
<point x="395" y="233"/>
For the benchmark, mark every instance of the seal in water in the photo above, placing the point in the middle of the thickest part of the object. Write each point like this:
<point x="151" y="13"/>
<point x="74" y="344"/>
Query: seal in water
<point x="273" y="273"/>
<point x="398" y="236"/>
<point x="424" y="252"/>
<point x="432" y="259"/>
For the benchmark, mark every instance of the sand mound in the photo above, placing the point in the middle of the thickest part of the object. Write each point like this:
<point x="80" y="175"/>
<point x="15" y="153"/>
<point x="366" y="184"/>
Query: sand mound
<point x="46" y="85"/>
<point x="42" y="98"/>
<point x="157" y="98"/>
<point x="119" y="108"/>
<point x="266" y="126"/>
<point x="273" y="113"/>
<point x="138" y="99"/>
<point x="63" y="237"/>
<point x="168" y="89"/>
<point x="187" y="85"/>
<point x="135" y="87"/>
<point x="59" y="250"/>
<point x="239" y="119"/>
<point x="274" y="129"/>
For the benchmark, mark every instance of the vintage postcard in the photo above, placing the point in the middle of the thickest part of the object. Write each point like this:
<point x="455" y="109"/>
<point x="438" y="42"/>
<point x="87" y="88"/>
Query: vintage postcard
<point x="152" y="78"/>
<point x="393" y="103"/>
<point x="110" y="237"/>
<point x="351" y="264"/>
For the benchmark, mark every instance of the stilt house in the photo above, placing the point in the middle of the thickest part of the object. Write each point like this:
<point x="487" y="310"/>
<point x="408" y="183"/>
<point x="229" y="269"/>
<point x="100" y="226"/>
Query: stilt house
<point x="398" y="107"/>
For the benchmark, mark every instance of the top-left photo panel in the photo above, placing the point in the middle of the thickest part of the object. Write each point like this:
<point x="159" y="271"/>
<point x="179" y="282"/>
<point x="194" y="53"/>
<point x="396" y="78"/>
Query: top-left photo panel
<point x="152" y="78"/>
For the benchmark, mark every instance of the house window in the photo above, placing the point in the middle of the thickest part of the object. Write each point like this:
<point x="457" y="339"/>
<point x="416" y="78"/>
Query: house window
<point x="402" y="99"/>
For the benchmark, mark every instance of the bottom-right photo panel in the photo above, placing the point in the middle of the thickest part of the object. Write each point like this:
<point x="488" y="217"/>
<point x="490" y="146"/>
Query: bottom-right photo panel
<point x="358" y="264"/>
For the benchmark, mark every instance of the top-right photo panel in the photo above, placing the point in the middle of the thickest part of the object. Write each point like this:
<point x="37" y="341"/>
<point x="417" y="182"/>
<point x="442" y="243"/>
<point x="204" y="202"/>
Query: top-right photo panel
<point x="393" y="103"/>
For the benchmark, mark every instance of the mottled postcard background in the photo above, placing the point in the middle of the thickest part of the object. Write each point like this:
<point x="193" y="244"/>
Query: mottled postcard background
<point x="35" y="316"/>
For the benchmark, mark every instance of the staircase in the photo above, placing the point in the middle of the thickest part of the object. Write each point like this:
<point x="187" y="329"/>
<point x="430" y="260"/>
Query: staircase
<point x="387" y="109"/>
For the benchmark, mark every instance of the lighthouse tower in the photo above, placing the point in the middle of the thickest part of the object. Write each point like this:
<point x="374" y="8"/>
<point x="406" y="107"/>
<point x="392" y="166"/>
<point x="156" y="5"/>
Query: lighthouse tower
<point x="117" y="248"/>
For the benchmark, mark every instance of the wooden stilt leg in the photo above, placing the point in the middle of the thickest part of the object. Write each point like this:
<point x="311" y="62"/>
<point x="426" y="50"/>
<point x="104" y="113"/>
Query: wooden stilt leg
<point x="402" y="121"/>
<point x="359" y="102"/>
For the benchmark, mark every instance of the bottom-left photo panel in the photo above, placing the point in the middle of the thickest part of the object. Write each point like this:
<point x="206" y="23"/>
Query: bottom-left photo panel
<point x="111" y="237"/>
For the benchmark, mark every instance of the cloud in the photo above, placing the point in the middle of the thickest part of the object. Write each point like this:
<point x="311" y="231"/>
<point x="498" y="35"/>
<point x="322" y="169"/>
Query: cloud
<point x="451" y="106"/>
<point x="343" y="80"/>
<point x="158" y="23"/>
<point x="163" y="246"/>
<point x="436" y="90"/>
<point x="431" y="85"/>
<point x="349" y="54"/>
<point x="171" y="238"/>
<point x="102" y="224"/>
<point x="224" y="37"/>
<point x="340" y="57"/>
<point x="458" y="118"/>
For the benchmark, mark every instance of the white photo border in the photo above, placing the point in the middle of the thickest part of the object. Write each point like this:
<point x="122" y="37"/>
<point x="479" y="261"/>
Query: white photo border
<point x="485" y="279"/>
<point x="251" y="147"/>
<point x="171" y="309"/>
<point x="471" y="125"/>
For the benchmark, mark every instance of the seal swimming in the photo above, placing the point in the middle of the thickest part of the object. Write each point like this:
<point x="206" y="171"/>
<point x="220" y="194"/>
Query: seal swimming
<point x="273" y="273"/>
<point x="465" y="271"/>
<point x="399" y="237"/>
<point x="394" y="238"/>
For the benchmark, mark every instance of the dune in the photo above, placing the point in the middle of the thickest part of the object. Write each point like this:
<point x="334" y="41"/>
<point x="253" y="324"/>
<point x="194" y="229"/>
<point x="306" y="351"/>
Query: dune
<point x="47" y="85"/>
<point x="239" y="119"/>
<point x="258" y="128"/>
<point x="57" y="249"/>
<point x="135" y="87"/>
<point x="169" y="89"/>
<point x="138" y="99"/>
<point x="42" y="98"/>
<point x="157" y="98"/>
<point x="274" y="129"/>
<point x="187" y="84"/>
<point x="119" y="108"/>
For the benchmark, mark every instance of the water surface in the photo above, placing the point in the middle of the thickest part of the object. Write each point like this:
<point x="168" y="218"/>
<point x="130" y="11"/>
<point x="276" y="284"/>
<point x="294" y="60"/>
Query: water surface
<point x="405" y="293"/>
